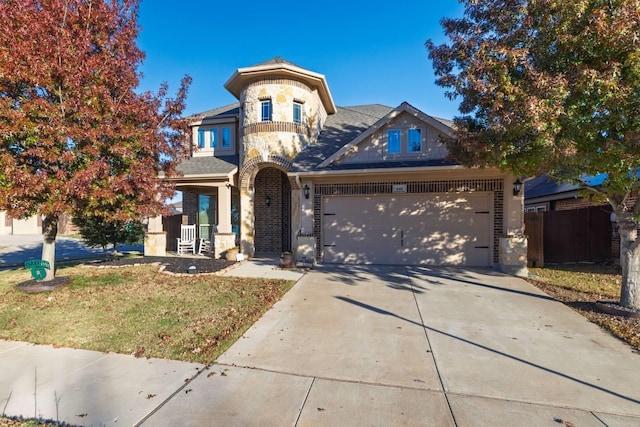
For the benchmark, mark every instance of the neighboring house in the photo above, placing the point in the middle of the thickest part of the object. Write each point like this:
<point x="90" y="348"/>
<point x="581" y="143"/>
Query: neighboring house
<point x="284" y="169"/>
<point x="543" y="193"/>
<point x="31" y="225"/>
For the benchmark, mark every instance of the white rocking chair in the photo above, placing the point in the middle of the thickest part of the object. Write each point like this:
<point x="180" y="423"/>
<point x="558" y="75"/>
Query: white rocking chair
<point x="208" y="245"/>
<point x="187" y="239"/>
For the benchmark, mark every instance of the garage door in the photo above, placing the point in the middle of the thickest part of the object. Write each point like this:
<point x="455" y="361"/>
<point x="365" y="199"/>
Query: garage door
<point x="433" y="229"/>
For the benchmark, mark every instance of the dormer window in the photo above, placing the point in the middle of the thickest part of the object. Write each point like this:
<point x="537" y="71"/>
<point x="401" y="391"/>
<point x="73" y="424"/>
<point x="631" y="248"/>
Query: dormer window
<point x="415" y="141"/>
<point x="265" y="108"/>
<point x="297" y="112"/>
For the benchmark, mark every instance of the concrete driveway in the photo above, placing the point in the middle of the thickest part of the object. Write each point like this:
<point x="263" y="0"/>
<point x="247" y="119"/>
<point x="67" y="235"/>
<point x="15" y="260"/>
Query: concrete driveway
<point x="390" y="346"/>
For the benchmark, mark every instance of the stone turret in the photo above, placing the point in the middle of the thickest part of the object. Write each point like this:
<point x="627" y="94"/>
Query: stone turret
<point x="283" y="108"/>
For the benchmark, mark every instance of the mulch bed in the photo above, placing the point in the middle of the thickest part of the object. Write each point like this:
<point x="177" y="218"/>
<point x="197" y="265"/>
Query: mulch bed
<point x="33" y="285"/>
<point x="171" y="264"/>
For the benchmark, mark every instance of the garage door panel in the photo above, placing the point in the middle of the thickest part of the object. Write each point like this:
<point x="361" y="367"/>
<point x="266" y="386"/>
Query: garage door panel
<point x="441" y="229"/>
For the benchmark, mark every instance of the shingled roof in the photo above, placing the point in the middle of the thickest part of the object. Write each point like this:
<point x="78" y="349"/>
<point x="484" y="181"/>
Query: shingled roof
<point x="339" y="129"/>
<point x="209" y="165"/>
<point x="230" y="110"/>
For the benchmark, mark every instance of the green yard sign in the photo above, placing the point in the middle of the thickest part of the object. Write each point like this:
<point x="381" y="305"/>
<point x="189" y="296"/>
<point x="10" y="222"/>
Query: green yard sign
<point x="38" y="268"/>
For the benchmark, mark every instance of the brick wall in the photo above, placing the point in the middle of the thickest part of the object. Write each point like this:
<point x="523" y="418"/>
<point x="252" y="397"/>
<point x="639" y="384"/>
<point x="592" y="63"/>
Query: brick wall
<point x="190" y="206"/>
<point x="574" y="203"/>
<point x="270" y="220"/>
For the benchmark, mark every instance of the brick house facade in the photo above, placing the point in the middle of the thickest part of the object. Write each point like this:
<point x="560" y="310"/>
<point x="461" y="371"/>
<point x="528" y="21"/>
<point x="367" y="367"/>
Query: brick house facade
<point x="285" y="169"/>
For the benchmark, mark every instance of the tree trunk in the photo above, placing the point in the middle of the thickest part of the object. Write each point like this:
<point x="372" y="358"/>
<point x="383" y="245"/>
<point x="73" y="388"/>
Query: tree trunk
<point x="629" y="261"/>
<point x="50" y="226"/>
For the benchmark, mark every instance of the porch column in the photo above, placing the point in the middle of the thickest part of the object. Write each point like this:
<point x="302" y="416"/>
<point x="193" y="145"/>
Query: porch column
<point x="224" y="209"/>
<point x="155" y="240"/>
<point x="247" y="223"/>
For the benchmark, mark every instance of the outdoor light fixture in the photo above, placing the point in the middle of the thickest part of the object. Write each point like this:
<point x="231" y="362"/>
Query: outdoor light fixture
<point x="306" y="191"/>
<point x="267" y="200"/>
<point x="517" y="186"/>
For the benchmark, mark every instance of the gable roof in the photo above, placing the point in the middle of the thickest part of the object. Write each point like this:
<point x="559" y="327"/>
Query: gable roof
<point x="403" y="108"/>
<point x="340" y="128"/>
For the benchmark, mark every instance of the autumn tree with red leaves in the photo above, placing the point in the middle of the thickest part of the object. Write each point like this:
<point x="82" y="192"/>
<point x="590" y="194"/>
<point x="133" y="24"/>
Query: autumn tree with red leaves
<point x="552" y="87"/>
<point x="75" y="136"/>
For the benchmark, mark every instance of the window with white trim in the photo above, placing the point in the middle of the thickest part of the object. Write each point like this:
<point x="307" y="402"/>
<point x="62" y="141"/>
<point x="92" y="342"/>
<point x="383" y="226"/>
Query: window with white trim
<point x="265" y="108"/>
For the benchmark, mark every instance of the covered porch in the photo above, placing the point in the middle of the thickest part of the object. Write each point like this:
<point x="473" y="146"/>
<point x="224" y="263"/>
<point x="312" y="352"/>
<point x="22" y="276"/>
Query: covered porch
<point x="211" y="202"/>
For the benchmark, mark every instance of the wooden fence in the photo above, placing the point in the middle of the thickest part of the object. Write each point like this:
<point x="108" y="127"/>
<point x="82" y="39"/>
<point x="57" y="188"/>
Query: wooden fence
<point x="577" y="235"/>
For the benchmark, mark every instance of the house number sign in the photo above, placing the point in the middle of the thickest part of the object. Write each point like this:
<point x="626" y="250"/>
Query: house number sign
<point x="38" y="268"/>
<point x="399" y="188"/>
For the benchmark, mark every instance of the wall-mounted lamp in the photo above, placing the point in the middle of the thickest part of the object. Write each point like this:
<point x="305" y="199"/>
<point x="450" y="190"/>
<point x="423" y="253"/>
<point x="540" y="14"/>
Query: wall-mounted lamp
<point x="267" y="200"/>
<point x="306" y="191"/>
<point x="228" y="185"/>
<point x="517" y="186"/>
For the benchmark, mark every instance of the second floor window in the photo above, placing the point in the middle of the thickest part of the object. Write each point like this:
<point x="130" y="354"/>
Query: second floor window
<point x="266" y="110"/>
<point x="226" y="137"/>
<point x="297" y="112"/>
<point x="200" y="138"/>
<point x="393" y="141"/>
<point x="213" y="138"/>
<point x="415" y="140"/>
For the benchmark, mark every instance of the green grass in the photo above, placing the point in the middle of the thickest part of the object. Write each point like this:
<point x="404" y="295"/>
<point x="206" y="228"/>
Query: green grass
<point x="136" y="310"/>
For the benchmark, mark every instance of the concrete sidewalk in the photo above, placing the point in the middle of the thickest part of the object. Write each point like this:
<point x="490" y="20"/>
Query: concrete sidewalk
<point x="358" y="346"/>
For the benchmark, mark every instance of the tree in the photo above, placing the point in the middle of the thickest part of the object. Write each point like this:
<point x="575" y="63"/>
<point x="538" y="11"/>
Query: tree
<point x="96" y="231"/>
<point x="551" y="87"/>
<point x="75" y="136"/>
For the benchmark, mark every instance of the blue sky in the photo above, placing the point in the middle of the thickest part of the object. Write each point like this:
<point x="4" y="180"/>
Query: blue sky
<point x="369" y="52"/>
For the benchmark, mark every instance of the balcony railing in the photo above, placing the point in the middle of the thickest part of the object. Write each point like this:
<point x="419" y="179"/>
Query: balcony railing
<point x="290" y="127"/>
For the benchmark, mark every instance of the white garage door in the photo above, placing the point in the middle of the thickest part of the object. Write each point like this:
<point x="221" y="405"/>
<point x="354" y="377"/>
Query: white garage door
<point x="433" y="229"/>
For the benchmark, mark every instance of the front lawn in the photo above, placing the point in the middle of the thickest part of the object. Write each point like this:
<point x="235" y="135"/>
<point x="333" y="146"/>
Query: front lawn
<point x="580" y="286"/>
<point x="137" y="310"/>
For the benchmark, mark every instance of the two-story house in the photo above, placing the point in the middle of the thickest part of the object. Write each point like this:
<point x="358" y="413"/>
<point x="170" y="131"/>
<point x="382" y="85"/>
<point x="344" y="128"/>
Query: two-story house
<point x="285" y="169"/>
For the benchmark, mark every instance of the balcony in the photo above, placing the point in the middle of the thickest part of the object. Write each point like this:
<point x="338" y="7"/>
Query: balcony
<point x="271" y="127"/>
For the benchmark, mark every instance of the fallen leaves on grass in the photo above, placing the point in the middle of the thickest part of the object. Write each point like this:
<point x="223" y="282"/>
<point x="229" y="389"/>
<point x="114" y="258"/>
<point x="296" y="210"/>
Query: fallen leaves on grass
<point x="137" y="310"/>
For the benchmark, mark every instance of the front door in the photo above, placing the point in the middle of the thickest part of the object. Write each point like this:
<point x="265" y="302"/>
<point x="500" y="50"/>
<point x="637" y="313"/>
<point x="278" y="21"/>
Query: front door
<point x="272" y="211"/>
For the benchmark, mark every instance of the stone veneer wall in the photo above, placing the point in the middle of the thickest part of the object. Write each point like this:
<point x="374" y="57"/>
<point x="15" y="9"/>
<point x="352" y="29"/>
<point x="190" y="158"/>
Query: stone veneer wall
<point x="280" y="137"/>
